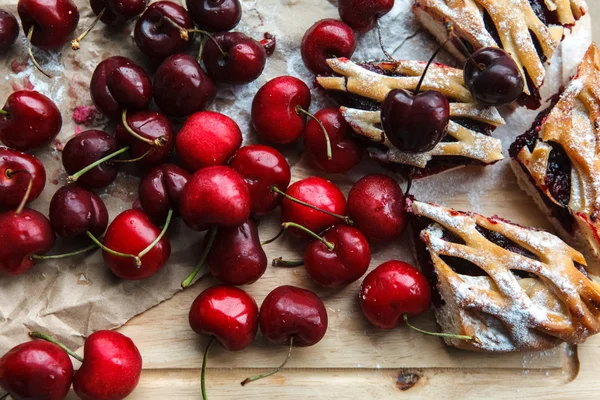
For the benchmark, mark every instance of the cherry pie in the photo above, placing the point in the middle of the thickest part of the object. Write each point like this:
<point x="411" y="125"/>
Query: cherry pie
<point x="514" y="288"/>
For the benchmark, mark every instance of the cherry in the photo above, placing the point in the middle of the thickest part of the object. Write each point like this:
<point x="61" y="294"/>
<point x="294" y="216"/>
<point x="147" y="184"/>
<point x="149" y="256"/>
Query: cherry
<point x="227" y="314"/>
<point x="160" y="190"/>
<point x="9" y="30"/>
<point x="16" y="171"/>
<point x="134" y="248"/>
<point x="119" y="84"/>
<point x="207" y="138"/>
<point x="36" y="370"/>
<point x="158" y="31"/>
<point x="29" y="120"/>
<point x="327" y="38"/>
<point x="261" y="167"/>
<point x="75" y="211"/>
<point x="277" y="109"/>
<point x="345" y="152"/>
<point x="215" y="196"/>
<point x="362" y="15"/>
<point x="181" y="87"/>
<point x="493" y="77"/>
<point x="215" y="15"/>
<point x="150" y="135"/>
<point x="291" y="316"/>
<point x="269" y="42"/>
<point x="376" y="205"/>
<point x="233" y="57"/>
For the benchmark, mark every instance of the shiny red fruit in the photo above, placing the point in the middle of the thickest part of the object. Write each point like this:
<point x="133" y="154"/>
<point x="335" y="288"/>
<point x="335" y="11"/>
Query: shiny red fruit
<point x="160" y="190"/>
<point x="362" y="15"/>
<point x="327" y="38"/>
<point x="215" y="15"/>
<point x="244" y="62"/>
<point x="118" y="12"/>
<point x="54" y="21"/>
<point x="75" y="211"/>
<point x="16" y="170"/>
<point x="9" y="30"/>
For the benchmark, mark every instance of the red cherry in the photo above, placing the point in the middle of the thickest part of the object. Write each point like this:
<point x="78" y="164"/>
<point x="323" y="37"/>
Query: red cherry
<point x="9" y="30"/>
<point x="52" y="21"/>
<point x="243" y="62"/>
<point x="261" y="167"/>
<point x="111" y="368"/>
<point x="215" y="196"/>
<point x="36" y="370"/>
<point x="362" y="15"/>
<point x="131" y="233"/>
<point x="75" y="211"/>
<point x="118" y="12"/>
<point x="345" y="152"/>
<point x="327" y="38"/>
<point x="16" y="171"/>
<point x="376" y="205"/>
<point x="207" y="138"/>
<point x="215" y="15"/>
<point x="269" y="42"/>
<point x="181" y="87"/>
<point x="29" y="120"/>
<point x="276" y="114"/>
<point x="160" y="190"/>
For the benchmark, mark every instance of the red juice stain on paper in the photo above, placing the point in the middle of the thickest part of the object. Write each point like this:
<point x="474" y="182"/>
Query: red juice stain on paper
<point x="17" y="66"/>
<point x="85" y="115"/>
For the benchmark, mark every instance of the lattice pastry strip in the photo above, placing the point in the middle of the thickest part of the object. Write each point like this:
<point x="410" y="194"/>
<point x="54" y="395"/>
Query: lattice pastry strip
<point x="558" y="302"/>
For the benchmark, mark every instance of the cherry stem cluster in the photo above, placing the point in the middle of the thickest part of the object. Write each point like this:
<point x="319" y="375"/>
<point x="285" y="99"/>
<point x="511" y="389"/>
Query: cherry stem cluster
<point x="48" y="338"/>
<point x="435" y="53"/>
<point x="156" y="142"/>
<point x="30" y="52"/>
<point x="73" y="178"/>
<point x="59" y="256"/>
<point x="276" y="370"/>
<point x="300" y="110"/>
<point x="9" y="174"/>
<point x="183" y="33"/>
<point x="140" y="158"/>
<point x="211" y="37"/>
<point x="450" y="29"/>
<point x="204" y="362"/>
<point x="274" y="238"/>
<point x="75" y="42"/>
<point x="286" y="225"/>
<point x="438" y="334"/>
<point x="190" y="278"/>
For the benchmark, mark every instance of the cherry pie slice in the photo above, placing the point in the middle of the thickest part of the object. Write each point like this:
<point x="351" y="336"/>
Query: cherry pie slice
<point x="529" y="30"/>
<point x="512" y="287"/>
<point x="558" y="160"/>
<point x="361" y="89"/>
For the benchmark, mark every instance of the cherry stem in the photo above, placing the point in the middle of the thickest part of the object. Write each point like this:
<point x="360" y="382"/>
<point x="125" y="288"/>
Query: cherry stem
<point x="300" y="110"/>
<point x="388" y="55"/>
<point x="4" y="396"/>
<point x="133" y="160"/>
<point x="203" y="374"/>
<point x="276" y="370"/>
<point x="274" y="238"/>
<point x="287" y="225"/>
<point x="47" y="338"/>
<point x="435" y="53"/>
<point x="157" y="142"/>
<point x="211" y="37"/>
<point x="75" y="42"/>
<point x="346" y="219"/>
<point x="183" y="33"/>
<point x="464" y="50"/>
<point x="9" y="174"/>
<point x="438" y="334"/>
<point x="136" y="259"/>
<point x="188" y="281"/>
<point x="30" y="51"/>
<point x="280" y="262"/>
<point x="58" y="256"/>
<point x="160" y="235"/>
<point x="73" y="178"/>
<point x="5" y="113"/>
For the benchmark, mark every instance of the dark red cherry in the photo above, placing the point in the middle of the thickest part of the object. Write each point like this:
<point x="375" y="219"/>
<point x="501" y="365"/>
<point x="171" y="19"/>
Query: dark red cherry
<point x="9" y="30"/>
<point x="120" y="84"/>
<point x="160" y="190"/>
<point x="117" y="12"/>
<point x="16" y="171"/>
<point x="156" y="34"/>
<point x="362" y="15"/>
<point x="75" y="211"/>
<point x="181" y="87"/>
<point x="243" y="62"/>
<point x="53" y="21"/>
<point x="327" y="38"/>
<point x="86" y="148"/>
<point x="493" y="77"/>
<point x="269" y="42"/>
<point x="415" y="124"/>
<point x="215" y="15"/>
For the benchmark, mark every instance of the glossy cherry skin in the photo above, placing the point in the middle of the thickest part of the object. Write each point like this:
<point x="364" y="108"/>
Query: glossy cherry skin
<point x="391" y="290"/>
<point x="86" y="148"/>
<point x="318" y="192"/>
<point x="227" y="313"/>
<point x="75" y="210"/>
<point x="496" y="79"/>
<point x="9" y="30"/>
<point x="156" y="37"/>
<point x="21" y="236"/>
<point x="346" y="263"/>
<point x="376" y="205"/>
<point x="245" y="59"/>
<point x="274" y="114"/>
<point x="327" y="38"/>
<point x="362" y="15"/>
<point x="160" y="190"/>
<point x="345" y="152"/>
<point x="120" y="84"/>
<point x="215" y="15"/>
<point x="36" y="370"/>
<point x="54" y="21"/>
<point x="415" y="124"/>
<point x="111" y="368"/>
<point x="236" y="256"/>
<point x="33" y="120"/>
<point x="181" y="87"/>
<point x="150" y="125"/>
<point x="215" y="196"/>
<point x="291" y="311"/>
<point x="261" y="167"/>
<point x="16" y="170"/>
<point x="130" y="233"/>
<point x="118" y="12"/>
<point x="207" y="138"/>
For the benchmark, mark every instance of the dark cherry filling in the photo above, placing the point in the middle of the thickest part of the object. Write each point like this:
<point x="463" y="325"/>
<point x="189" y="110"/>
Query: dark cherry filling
<point x="543" y="13"/>
<point x="558" y="175"/>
